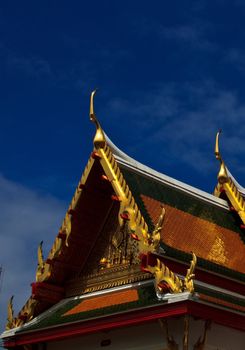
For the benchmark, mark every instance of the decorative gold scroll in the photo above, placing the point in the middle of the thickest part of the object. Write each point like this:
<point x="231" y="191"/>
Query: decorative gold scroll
<point x="10" y="319"/>
<point x="226" y="183"/>
<point x="188" y="281"/>
<point x="26" y="313"/>
<point x="147" y="242"/>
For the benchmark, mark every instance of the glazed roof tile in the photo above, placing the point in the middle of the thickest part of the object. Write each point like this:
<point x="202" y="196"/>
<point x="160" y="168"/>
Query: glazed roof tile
<point x="187" y="232"/>
<point x="88" y="307"/>
<point x="191" y="223"/>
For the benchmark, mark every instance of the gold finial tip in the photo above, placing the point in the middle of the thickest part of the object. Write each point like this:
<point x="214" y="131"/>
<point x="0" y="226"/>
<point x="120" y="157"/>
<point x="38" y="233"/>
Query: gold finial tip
<point x="99" y="139"/>
<point x="216" y="151"/>
<point x="91" y="113"/>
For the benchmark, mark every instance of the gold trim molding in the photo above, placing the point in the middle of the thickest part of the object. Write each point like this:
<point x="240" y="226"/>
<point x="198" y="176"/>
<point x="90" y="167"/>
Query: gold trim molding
<point x="147" y="242"/>
<point x="25" y="315"/>
<point x="225" y="183"/>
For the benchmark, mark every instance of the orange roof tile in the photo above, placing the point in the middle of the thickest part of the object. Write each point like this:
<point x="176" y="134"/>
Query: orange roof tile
<point x="207" y="240"/>
<point x="104" y="301"/>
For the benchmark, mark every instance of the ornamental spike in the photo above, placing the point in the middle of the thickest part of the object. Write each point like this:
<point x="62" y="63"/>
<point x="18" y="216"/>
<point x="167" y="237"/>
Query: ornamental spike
<point x="222" y="175"/>
<point x="99" y="139"/>
<point x="155" y="237"/>
<point x="10" y="319"/>
<point x="216" y="151"/>
<point x="40" y="254"/>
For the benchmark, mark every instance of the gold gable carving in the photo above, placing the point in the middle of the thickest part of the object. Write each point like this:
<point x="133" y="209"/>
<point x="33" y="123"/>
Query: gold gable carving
<point x="227" y="185"/>
<point x="113" y="262"/>
<point x="117" y="261"/>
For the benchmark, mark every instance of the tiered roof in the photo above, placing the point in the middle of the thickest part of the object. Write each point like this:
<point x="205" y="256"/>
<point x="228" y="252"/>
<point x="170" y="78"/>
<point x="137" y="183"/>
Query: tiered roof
<point x="95" y="271"/>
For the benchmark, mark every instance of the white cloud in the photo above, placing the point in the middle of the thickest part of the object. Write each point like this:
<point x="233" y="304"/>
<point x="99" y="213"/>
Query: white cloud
<point x="184" y="120"/>
<point x="236" y="58"/>
<point x="26" y="218"/>
<point x="194" y="35"/>
<point x="33" y="66"/>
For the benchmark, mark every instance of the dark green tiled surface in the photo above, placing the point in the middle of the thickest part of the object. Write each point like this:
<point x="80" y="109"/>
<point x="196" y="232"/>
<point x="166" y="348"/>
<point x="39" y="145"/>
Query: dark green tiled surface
<point x="140" y="184"/>
<point x="147" y="296"/>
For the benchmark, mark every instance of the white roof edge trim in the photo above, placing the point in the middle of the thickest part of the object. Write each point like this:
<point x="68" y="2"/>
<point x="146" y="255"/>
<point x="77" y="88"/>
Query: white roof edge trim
<point x="43" y="315"/>
<point x="131" y="163"/>
<point x="239" y="187"/>
<point x="9" y="333"/>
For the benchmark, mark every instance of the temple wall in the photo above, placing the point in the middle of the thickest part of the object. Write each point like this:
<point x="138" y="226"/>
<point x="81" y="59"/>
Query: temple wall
<point x="151" y="336"/>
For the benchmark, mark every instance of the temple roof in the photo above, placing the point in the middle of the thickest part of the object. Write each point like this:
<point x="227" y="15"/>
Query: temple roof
<point x="171" y="223"/>
<point x="195" y="220"/>
<point x="156" y="176"/>
<point x="124" y="302"/>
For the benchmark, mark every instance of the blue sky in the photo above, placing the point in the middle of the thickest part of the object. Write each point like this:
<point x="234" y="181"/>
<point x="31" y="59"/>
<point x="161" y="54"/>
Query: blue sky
<point x="170" y="74"/>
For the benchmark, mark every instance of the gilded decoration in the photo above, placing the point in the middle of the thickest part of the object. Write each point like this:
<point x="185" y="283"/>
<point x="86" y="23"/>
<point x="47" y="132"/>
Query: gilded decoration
<point x="165" y="279"/>
<point x="136" y="221"/>
<point x="120" y="261"/>
<point x="226" y="183"/>
<point x="147" y="242"/>
<point x="114" y="261"/>
<point x="25" y="315"/>
<point x="122" y="250"/>
<point x="10" y="319"/>
<point x="44" y="268"/>
<point x="188" y="280"/>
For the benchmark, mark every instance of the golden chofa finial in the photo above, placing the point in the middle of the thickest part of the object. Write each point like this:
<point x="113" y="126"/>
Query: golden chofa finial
<point x="40" y="261"/>
<point x="216" y="151"/>
<point x="10" y="319"/>
<point x="99" y="138"/>
<point x="222" y="175"/>
<point x="156" y="234"/>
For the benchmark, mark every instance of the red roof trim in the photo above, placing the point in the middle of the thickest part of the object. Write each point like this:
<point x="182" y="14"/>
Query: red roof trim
<point x="206" y="276"/>
<point x="223" y="317"/>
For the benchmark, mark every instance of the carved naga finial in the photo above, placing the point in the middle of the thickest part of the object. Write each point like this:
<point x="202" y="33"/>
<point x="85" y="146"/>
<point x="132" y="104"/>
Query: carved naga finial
<point x="222" y="175"/>
<point x="40" y="261"/>
<point x="99" y="139"/>
<point x="10" y="319"/>
<point x="188" y="281"/>
<point x="156" y="234"/>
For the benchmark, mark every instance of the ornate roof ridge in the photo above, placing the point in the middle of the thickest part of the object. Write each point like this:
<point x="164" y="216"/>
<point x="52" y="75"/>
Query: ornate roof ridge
<point x="227" y="184"/>
<point x="148" y="242"/>
<point x="123" y="159"/>
<point x="240" y="188"/>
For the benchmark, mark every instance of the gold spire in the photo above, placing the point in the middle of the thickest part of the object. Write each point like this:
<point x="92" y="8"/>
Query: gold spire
<point x="216" y="151"/>
<point x="99" y="139"/>
<point x="222" y="175"/>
